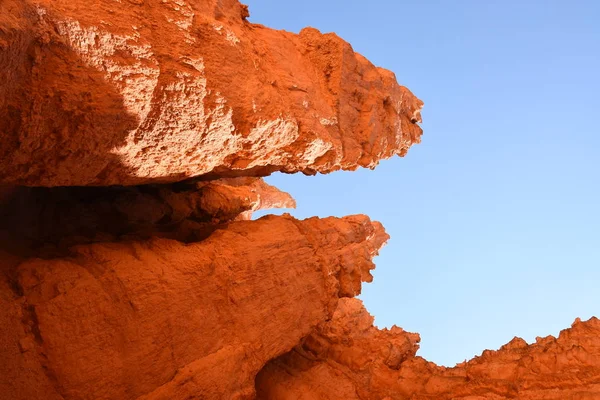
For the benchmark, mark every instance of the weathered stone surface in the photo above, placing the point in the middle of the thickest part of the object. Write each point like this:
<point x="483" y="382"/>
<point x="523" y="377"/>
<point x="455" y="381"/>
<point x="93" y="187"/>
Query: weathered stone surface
<point x="161" y="319"/>
<point x="347" y="358"/>
<point x="110" y="92"/>
<point x="158" y="287"/>
<point x="237" y="198"/>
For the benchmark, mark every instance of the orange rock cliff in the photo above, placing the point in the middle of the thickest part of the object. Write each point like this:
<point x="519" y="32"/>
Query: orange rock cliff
<point x="134" y="137"/>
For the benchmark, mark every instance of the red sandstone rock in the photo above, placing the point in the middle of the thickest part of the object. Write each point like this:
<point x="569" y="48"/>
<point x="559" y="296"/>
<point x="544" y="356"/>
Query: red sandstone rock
<point x="165" y="320"/>
<point x="110" y="92"/>
<point x="188" y="211"/>
<point x="162" y="291"/>
<point x="347" y="358"/>
<point x="238" y="198"/>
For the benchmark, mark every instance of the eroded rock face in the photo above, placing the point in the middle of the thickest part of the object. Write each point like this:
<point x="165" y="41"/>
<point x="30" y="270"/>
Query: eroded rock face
<point x="347" y="358"/>
<point x="133" y="92"/>
<point x="133" y="135"/>
<point x="162" y="319"/>
<point x="187" y="211"/>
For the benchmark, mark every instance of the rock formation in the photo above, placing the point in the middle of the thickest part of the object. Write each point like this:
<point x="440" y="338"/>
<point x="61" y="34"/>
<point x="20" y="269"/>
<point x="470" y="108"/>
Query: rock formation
<point x="134" y="135"/>
<point x="347" y="358"/>
<point x="166" y="90"/>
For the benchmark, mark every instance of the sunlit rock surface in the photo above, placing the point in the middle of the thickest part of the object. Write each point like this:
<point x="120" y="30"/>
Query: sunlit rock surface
<point x="133" y="137"/>
<point x="111" y="92"/>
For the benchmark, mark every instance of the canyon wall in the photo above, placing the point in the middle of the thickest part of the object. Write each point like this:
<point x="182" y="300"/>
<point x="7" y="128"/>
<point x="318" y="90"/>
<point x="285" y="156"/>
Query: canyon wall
<point x="134" y="138"/>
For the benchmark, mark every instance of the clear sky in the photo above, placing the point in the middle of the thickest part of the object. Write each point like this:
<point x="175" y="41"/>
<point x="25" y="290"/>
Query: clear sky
<point x="495" y="216"/>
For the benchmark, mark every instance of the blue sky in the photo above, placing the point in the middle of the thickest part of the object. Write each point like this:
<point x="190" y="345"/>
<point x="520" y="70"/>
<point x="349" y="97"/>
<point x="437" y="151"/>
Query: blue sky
<point x="495" y="216"/>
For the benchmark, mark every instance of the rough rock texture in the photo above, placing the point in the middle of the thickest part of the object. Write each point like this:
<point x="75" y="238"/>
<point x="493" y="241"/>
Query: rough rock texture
<point x="131" y="92"/>
<point x="133" y="134"/>
<point x="161" y="319"/>
<point x="347" y="358"/>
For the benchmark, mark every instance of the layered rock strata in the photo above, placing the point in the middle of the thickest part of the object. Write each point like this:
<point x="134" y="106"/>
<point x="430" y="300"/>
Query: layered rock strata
<point x="187" y="211"/>
<point x="133" y="135"/>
